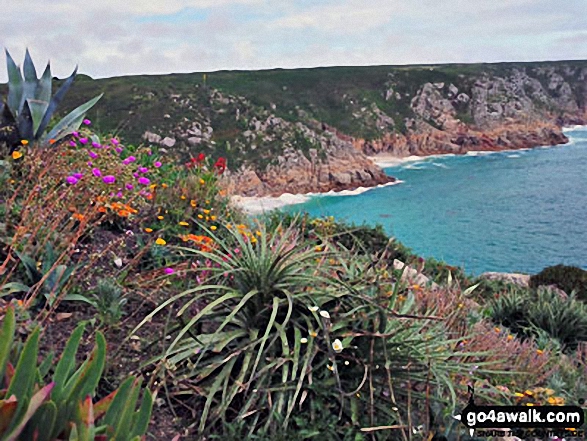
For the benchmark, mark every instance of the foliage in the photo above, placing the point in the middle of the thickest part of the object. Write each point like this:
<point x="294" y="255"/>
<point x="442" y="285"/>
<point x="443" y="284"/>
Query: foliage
<point x="107" y="299"/>
<point x="567" y="278"/>
<point x="63" y="409"/>
<point x="564" y="319"/>
<point x="31" y="106"/>
<point x="279" y="334"/>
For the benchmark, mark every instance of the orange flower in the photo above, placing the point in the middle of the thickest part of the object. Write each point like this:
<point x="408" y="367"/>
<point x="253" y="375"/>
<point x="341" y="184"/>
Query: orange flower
<point x="16" y="155"/>
<point x="123" y="213"/>
<point x="183" y="224"/>
<point x="51" y="141"/>
<point x="78" y="216"/>
<point x="160" y="241"/>
<point x="160" y="217"/>
<point x="24" y="142"/>
<point x="149" y="230"/>
<point x="164" y="185"/>
<point x="102" y="209"/>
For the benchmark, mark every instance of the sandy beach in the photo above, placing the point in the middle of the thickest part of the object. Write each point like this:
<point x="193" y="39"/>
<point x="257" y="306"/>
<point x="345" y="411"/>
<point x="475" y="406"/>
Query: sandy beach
<point x="258" y="205"/>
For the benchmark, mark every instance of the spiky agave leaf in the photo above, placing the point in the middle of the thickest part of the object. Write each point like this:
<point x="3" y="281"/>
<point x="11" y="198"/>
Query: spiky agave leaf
<point x="40" y="103"/>
<point x="15" y="84"/>
<point x="29" y="86"/>
<point x="71" y="122"/>
<point x="55" y="101"/>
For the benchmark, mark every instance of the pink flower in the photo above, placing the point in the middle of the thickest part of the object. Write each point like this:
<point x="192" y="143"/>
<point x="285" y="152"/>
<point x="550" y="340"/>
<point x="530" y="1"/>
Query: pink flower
<point x="84" y="141"/>
<point x="76" y="134"/>
<point x="144" y="181"/>
<point x="129" y="186"/>
<point x="92" y="154"/>
<point x="72" y="180"/>
<point x="143" y="169"/>
<point x="89" y="163"/>
<point x="109" y="179"/>
<point x="169" y="270"/>
<point x="72" y="144"/>
<point x="87" y="122"/>
<point x="96" y="145"/>
<point x="157" y="164"/>
<point x="115" y="141"/>
<point x="118" y="150"/>
<point x="129" y="160"/>
<point x="96" y="172"/>
<point x="78" y="175"/>
<point x="119" y="194"/>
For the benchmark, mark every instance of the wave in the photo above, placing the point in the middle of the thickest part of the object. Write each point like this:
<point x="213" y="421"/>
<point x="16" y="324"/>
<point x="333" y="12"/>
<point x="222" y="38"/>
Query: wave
<point x="576" y="127"/>
<point x="354" y="192"/>
<point x="436" y="164"/>
<point x="513" y="156"/>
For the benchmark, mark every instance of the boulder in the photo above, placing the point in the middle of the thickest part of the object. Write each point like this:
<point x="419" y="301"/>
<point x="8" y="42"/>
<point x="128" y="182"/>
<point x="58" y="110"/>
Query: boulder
<point x="168" y="142"/>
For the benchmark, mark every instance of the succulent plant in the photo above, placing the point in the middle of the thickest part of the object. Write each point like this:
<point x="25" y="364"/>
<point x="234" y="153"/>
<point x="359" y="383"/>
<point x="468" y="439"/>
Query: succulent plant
<point x="63" y="408"/>
<point x="29" y="106"/>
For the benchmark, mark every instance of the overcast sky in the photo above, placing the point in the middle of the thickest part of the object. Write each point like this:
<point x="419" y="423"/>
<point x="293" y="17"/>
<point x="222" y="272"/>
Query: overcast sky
<point x="123" y="37"/>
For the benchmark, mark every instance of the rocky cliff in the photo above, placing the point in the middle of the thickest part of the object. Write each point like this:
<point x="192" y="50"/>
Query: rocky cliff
<point x="309" y="130"/>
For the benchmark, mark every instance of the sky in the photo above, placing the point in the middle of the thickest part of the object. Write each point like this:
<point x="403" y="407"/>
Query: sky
<point x="126" y="37"/>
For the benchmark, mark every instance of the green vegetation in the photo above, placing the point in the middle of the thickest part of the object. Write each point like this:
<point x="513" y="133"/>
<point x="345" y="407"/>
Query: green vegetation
<point x="34" y="408"/>
<point x="281" y="327"/>
<point x="568" y="278"/>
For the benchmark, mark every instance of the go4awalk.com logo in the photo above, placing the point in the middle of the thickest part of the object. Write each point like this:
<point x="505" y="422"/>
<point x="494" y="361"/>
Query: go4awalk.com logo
<point x="542" y="420"/>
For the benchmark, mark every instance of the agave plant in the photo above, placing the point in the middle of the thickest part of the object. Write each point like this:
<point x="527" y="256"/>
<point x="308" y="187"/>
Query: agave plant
<point x="29" y="106"/>
<point x="63" y="409"/>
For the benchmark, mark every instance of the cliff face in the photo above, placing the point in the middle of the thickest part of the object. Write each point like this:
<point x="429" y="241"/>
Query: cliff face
<point x="309" y="130"/>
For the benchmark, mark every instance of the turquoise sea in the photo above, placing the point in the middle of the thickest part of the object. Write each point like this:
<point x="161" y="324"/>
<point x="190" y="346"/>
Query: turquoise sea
<point x="514" y="211"/>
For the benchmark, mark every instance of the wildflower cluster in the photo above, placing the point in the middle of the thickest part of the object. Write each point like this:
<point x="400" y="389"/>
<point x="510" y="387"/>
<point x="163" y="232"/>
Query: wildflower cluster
<point x="246" y="232"/>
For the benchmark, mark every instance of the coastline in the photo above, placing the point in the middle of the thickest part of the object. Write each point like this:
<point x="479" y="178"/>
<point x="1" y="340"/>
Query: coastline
<point x="259" y="204"/>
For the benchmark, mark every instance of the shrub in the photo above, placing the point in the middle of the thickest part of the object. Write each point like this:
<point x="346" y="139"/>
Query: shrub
<point x="525" y="311"/>
<point x="567" y="278"/>
<point x="63" y="409"/>
<point x="278" y="337"/>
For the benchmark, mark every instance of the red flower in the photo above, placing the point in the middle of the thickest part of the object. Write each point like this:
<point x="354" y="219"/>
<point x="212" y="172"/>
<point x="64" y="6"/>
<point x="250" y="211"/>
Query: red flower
<point x="201" y="158"/>
<point x="220" y="165"/>
<point x="196" y="161"/>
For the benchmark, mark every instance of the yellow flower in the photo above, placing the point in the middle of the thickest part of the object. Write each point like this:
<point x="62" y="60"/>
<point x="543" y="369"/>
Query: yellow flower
<point x="213" y="227"/>
<point x="254" y="240"/>
<point x="337" y="346"/>
<point x="164" y="185"/>
<point x="206" y="211"/>
<point x="539" y="351"/>
<point x="213" y="218"/>
<point x="318" y="248"/>
<point x="510" y="337"/>
<point x="313" y="334"/>
<point x="160" y="217"/>
<point x="193" y="203"/>
<point x="258" y="233"/>
<point x="528" y="392"/>
<point x="16" y="154"/>
<point x="200" y="216"/>
<point x="182" y="197"/>
<point x="202" y="182"/>
<point x="518" y="394"/>
<point x="160" y="241"/>
<point x="496" y="329"/>
<point x="149" y="230"/>
<point x="24" y="142"/>
<point x="330" y="367"/>
<point x="416" y="287"/>
<point x="549" y="392"/>
<point x="183" y="224"/>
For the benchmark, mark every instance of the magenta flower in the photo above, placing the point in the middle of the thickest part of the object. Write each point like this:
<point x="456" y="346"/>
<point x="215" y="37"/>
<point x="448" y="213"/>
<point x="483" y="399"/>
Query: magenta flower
<point x="129" y="186"/>
<point x="72" y="144"/>
<point x="87" y="122"/>
<point x="76" y="134"/>
<point x="149" y="152"/>
<point x="118" y="150"/>
<point x="96" y="172"/>
<point x="84" y="141"/>
<point x="129" y="160"/>
<point x="96" y="145"/>
<point x="89" y="163"/>
<point x="144" y="181"/>
<point x="115" y="141"/>
<point x="157" y="164"/>
<point x="92" y="154"/>
<point x="78" y="175"/>
<point x="135" y="174"/>
<point x="119" y="194"/>
<point x="109" y="179"/>
<point x="72" y="180"/>
<point x="143" y="169"/>
<point x="169" y="270"/>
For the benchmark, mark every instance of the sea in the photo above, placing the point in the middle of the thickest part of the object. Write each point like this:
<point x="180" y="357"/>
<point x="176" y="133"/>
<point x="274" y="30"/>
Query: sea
<point x="510" y="211"/>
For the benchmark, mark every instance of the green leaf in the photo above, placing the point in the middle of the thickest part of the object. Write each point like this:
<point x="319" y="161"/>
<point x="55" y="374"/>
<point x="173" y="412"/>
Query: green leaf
<point x="116" y="408"/>
<point x="30" y="73"/>
<point x="6" y="339"/>
<point x="15" y="85"/>
<point x="80" y="298"/>
<point x="71" y="122"/>
<point x="36" y="401"/>
<point x="143" y="416"/>
<point x="66" y="363"/>
<point x="31" y="268"/>
<point x="42" y="422"/>
<point x="124" y="424"/>
<point x="55" y="101"/>
<point x="22" y="383"/>
<point x="12" y="287"/>
<point x="25" y="121"/>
